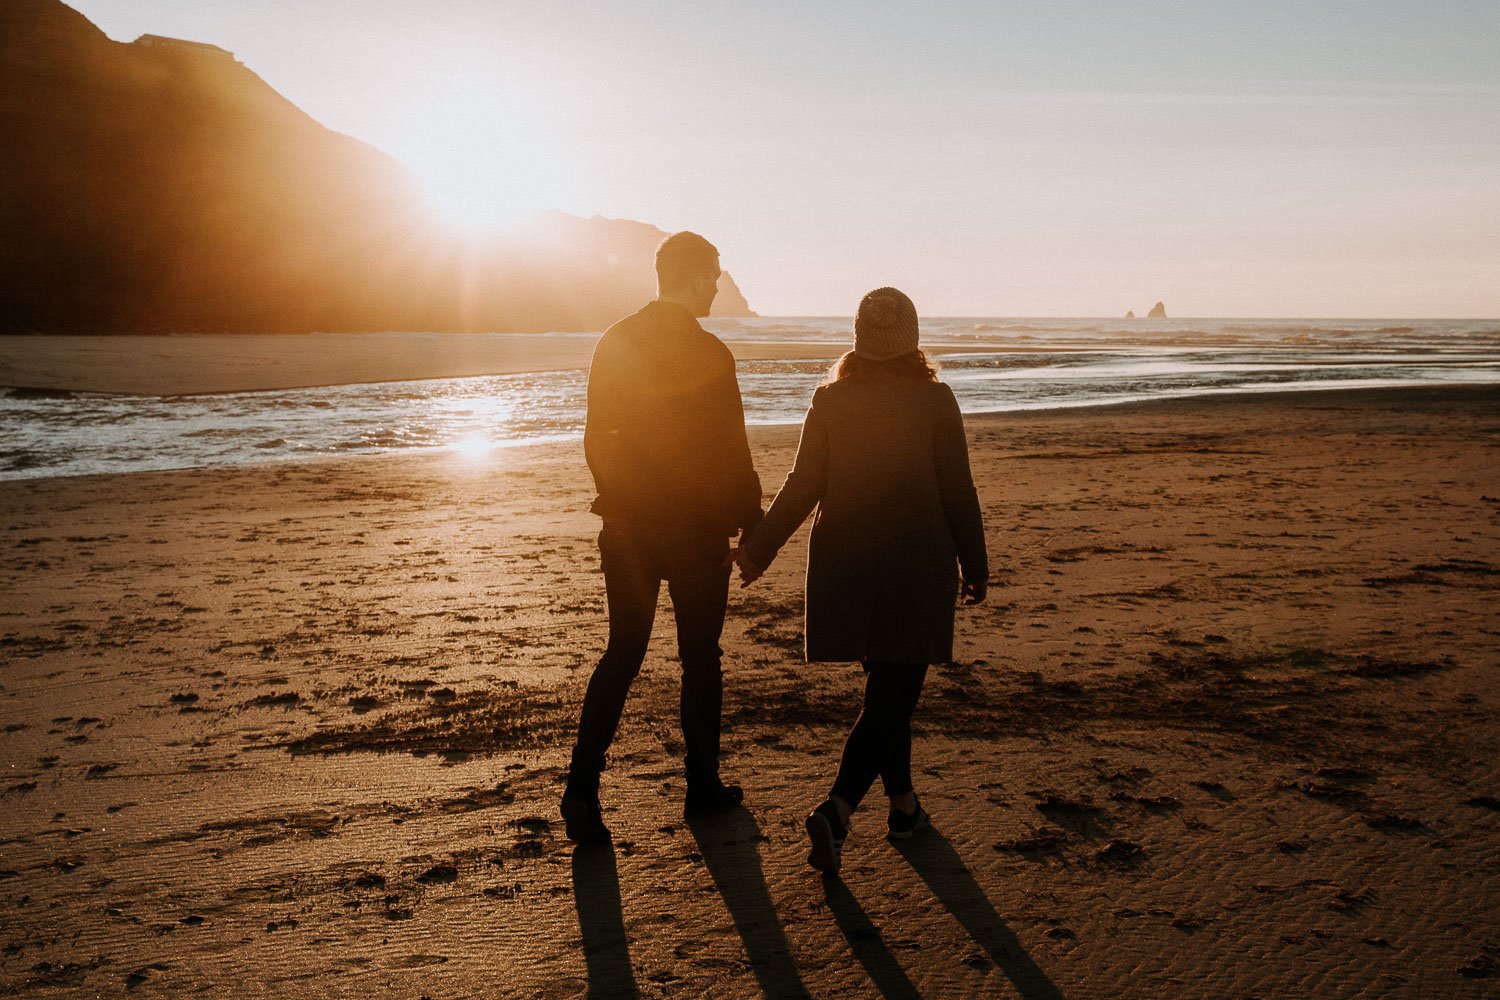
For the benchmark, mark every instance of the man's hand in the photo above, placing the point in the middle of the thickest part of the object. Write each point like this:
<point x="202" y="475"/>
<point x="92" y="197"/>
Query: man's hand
<point x="974" y="591"/>
<point x="749" y="572"/>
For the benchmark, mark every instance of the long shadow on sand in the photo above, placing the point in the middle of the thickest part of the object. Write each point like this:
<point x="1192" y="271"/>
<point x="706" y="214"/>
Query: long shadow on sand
<point x="866" y="943"/>
<point x="729" y="843"/>
<point x="596" y="890"/>
<point x="934" y="859"/>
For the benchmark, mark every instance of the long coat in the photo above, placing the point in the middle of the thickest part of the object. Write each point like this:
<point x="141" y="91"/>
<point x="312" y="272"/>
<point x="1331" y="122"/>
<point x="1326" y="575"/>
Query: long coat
<point x="884" y="459"/>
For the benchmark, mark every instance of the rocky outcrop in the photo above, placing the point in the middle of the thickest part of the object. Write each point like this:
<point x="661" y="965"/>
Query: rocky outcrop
<point x="1130" y="314"/>
<point x="145" y="188"/>
<point x="731" y="301"/>
<point x="1158" y="311"/>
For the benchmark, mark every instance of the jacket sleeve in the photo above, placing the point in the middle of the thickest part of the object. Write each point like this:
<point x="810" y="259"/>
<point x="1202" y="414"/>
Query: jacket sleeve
<point x="602" y="438"/>
<point x="801" y="492"/>
<point x="956" y="485"/>
<point x="747" y="492"/>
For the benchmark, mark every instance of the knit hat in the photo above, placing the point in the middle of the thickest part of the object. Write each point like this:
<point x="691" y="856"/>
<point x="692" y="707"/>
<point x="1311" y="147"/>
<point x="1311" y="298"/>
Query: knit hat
<point x="885" y="326"/>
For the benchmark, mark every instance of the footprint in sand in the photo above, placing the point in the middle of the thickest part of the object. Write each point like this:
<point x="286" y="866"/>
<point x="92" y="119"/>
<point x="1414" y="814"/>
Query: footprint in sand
<point x="1120" y="852"/>
<point x="364" y="703"/>
<point x="143" y="974"/>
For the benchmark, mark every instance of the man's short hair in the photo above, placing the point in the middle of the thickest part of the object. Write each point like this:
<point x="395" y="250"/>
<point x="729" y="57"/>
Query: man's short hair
<point x="684" y="256"/>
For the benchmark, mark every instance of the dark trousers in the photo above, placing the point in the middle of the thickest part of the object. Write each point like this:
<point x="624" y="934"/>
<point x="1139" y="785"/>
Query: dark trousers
<point x="880" y="742"/>
<point x="636" y="558"/>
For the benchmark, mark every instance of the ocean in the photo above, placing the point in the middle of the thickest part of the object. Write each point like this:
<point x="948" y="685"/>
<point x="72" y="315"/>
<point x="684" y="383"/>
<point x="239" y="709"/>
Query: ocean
<point x="996" y="365"/>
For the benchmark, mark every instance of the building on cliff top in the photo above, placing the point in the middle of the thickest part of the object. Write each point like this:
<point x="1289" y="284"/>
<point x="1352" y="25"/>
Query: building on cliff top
<point x="183" y="45"/>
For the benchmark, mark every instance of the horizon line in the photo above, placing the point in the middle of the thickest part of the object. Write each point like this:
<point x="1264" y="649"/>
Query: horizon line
<point x="1362" y="319"/>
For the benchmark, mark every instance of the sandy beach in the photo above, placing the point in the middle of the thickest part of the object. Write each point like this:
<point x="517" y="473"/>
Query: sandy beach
<point x="1227" y="727"/>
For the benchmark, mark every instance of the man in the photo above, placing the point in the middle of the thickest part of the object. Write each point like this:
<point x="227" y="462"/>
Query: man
<point x="665" y="441"/>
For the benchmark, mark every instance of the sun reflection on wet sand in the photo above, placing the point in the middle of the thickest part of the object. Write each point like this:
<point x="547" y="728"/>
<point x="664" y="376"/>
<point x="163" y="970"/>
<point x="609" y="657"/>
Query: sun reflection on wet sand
<point x="474" y="447"/>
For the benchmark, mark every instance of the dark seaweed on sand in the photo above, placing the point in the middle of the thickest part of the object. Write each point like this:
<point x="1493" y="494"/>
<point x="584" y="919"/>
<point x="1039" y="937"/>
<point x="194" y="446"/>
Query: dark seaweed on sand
<point x="1295" y="702"/>
<point x="474" y="722"/>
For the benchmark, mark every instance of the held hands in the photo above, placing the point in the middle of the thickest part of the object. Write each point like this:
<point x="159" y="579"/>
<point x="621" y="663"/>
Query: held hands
<point x="749" y="572"/>
<point x="973" y="592"/>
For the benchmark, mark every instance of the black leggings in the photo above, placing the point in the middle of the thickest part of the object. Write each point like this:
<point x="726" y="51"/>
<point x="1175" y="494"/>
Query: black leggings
<point x="880" y="742"/>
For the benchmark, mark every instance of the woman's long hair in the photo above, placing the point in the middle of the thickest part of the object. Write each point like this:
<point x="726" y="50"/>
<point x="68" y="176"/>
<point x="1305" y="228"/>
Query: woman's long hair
<point x="911" y="365"/>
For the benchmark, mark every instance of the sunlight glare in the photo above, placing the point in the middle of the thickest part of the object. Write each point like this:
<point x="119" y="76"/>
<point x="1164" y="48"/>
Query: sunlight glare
<point x="475" y="446"/>
<point x="484" y="158"/>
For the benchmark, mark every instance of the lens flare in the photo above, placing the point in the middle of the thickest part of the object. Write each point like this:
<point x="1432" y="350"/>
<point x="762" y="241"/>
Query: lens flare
<point x="475" y="446"/>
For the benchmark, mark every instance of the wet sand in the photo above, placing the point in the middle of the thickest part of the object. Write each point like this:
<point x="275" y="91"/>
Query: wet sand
<point x="1226" y="727"/>
<point x="186" y="364"/>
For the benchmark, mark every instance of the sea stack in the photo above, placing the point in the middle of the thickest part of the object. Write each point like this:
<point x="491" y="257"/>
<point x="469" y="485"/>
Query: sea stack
<point x="1130" y="314"/>
<point x="1158" y="311"/>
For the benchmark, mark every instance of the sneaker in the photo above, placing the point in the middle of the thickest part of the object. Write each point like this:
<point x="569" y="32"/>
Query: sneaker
<point x="827" y="836"/>
<point x="710" y="799"/>
<point x="583" y="820"/>
<point x="901" y="825"/>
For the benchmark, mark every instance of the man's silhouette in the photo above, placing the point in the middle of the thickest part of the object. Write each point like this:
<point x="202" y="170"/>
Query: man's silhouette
<point x="665" y="440"/>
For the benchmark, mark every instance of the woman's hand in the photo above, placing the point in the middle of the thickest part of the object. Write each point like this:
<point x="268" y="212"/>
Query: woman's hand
<point x="749" y="572"/>
<point x="973" y="591"/>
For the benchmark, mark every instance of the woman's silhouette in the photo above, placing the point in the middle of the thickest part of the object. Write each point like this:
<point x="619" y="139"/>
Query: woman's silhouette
<point x="884" y="460"/>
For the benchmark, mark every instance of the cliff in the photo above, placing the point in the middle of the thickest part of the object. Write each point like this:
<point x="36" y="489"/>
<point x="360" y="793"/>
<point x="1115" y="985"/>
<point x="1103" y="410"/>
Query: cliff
<point x="152" y="188"/>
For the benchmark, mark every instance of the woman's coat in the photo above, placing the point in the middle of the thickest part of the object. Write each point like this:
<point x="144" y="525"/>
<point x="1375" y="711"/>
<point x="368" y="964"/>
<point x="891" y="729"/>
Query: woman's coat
<point x="884" y="460"/>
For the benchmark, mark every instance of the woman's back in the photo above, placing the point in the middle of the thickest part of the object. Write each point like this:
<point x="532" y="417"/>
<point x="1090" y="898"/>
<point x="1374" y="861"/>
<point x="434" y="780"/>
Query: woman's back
<point x="884" y="459"/>
<point x="882" y="469"/>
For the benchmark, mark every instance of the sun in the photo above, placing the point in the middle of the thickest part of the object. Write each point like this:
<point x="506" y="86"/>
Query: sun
<point x="486" y="159"/>
<point x="479" y="195"/>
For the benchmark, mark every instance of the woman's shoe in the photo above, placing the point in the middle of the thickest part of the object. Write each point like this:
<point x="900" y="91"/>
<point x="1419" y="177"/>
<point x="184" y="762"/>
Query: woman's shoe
<point x="901" y="825"/>
<point x="827" y="834"/>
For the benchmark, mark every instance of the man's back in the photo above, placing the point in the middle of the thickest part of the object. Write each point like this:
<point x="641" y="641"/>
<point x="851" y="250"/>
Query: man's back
<point x="665" y="437"/>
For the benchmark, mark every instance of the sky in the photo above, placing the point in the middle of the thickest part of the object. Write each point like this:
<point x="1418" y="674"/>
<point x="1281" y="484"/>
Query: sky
<point x="1069" y="158"/>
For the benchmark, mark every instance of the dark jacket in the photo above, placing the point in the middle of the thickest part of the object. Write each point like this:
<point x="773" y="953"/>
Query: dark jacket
<point x="885" y="461"/>
<point x="665" y="437"/>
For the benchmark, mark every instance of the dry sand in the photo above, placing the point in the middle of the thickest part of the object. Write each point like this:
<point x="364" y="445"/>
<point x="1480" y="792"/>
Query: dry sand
<point x="1227" y="727"/>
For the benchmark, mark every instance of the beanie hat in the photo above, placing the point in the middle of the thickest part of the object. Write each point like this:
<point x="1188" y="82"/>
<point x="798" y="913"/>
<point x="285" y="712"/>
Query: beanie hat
<point x="885" y="326"/>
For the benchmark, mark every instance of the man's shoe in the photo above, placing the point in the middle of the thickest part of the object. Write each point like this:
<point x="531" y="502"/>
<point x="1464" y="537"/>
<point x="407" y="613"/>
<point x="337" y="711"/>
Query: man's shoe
<point x="901" y="825"/>
<point x="711" y="799"/>
<point x="827" y="834"/>
<point x="583" y="820"/>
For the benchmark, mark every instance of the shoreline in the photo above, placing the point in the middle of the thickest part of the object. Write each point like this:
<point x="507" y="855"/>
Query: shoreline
<point x="175" y="365"/>
<point x="1257" y="397"/>
<point x="1208" y="402"/>
<point x="237" y="363"/>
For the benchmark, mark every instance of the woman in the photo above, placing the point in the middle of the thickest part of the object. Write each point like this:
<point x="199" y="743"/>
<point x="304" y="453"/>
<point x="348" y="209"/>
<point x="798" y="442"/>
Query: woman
<point x="884" y="459"/>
